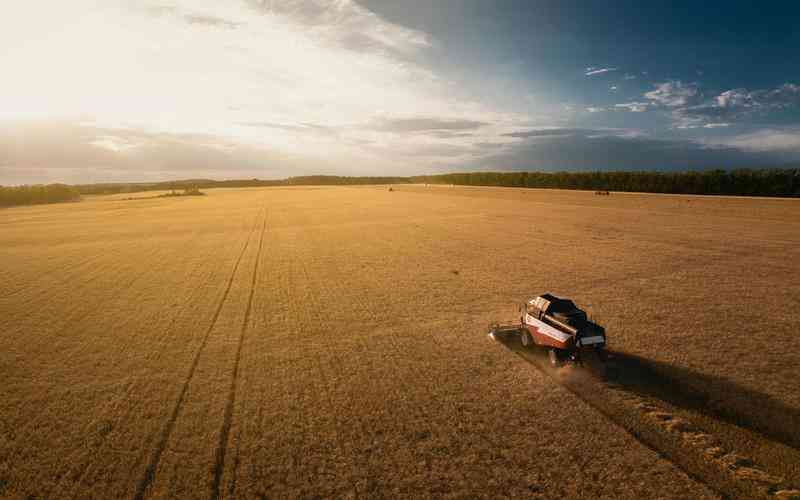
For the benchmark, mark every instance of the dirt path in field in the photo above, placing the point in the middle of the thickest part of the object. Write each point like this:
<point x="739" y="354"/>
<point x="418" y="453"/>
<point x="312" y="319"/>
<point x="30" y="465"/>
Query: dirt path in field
<point x="709" y="446"/>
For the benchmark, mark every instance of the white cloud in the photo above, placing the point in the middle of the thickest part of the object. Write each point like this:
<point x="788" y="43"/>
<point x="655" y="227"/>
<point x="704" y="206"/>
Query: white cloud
<point x="600" y="71"/>
<point x="767" y="140"/>
<point x="674" y="94"/>
<point x="738" y="104"/>
<point x="633" y="107"/>
<point x="345" y="23"/>
<point x="716" y="125"/>
<point x="784" y="96"/>
<point x="734" y="98"/>
<point x="593" y="109"/>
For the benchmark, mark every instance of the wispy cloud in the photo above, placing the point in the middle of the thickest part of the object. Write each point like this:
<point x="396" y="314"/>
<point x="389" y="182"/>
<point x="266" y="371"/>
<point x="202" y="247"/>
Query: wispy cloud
<point x="544" y="132"/>
<point x="552" y="132"/>
<point x="765" y="140"/>
<point x="690" y="109"/>
<point x="424" y="124"/>
<point x="633" y="107"/>
<point x="599" y="71"/>
<point x="615" y="149"/>
<point x="295" y="127"/>
<point x="91" y="154"/>
<point x="347" y="24"/>
<point x="210" y="21"/>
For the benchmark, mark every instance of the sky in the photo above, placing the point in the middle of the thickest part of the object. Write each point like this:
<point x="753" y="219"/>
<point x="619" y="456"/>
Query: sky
<point x="112" y="91"/>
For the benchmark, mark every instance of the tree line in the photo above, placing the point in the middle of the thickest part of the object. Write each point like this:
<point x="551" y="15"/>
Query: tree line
<point x="744" y="182"/>
<point x="36" y="194"/>
<point x="308" y="180"/>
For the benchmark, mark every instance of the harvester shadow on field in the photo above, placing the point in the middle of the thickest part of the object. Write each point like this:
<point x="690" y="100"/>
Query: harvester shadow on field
<point x="709" y="395"/>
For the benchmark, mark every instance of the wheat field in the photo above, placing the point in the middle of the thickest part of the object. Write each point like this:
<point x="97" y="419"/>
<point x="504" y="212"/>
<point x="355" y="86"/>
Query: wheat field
<point x="331" y="342"/>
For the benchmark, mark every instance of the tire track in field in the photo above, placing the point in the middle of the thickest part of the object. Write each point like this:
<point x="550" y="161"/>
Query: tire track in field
<point x="155" y="458"/>
<point x="68" y="467"/>
<point x="127" y="411"/>
<point x="674" y="439"/>
<point x="222" y="445"/>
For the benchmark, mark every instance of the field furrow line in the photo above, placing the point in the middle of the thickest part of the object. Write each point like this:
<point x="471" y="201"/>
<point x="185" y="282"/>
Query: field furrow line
<point x="153" y="252"/>
<point x="96" y="274"/>
<point x="315" y="301"/>
<point x="105" y="262"/>
<point x="389" y="244"/>
<point x="125" y="406"/>
<point x="155" y="458"/>
<point x="365" y="340"/>
<point x="75" y="270"/>
<point x="311" y="291"/>
<point x="222" y="445"/>
<point x="329" y="291"/>
<point x="57" y="338"/>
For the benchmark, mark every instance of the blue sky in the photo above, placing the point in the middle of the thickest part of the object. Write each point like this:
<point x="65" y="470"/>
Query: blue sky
<point x="264" y="88"/>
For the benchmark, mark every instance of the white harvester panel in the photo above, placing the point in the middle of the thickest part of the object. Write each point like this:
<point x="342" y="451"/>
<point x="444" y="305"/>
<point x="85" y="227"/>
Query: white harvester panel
<point x="545" y="329"/>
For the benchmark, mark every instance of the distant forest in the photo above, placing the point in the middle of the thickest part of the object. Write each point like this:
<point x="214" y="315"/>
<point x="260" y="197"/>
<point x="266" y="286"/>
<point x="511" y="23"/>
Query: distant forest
<point x="310" y="180"/>
<point x="766" y="182"/>
<point x="34" y="195"/>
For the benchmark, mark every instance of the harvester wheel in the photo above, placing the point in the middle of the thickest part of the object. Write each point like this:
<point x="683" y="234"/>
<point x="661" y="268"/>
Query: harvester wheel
<point x="526" y="339"/>
<point x="552" y="355"/>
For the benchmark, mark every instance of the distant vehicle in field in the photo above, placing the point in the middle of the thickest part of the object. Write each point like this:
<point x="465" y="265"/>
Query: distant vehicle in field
<point x="558" y="325"/>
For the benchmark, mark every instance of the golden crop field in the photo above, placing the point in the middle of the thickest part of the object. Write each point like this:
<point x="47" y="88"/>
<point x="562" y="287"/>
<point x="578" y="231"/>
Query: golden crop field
<point x="331" y="342"/>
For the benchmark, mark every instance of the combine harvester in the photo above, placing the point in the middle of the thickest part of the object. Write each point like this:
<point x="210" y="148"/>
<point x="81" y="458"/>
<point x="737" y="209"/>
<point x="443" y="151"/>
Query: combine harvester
<point x="558" y="325"/>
